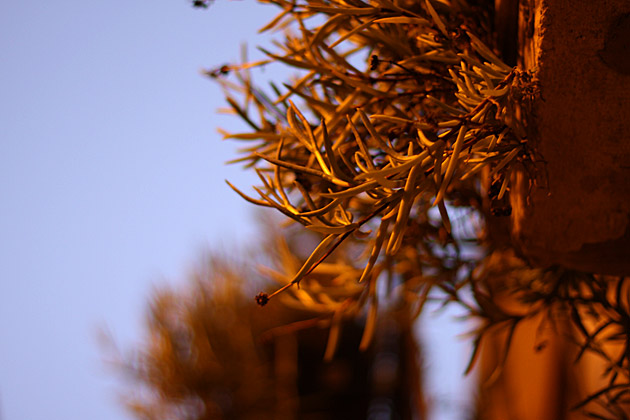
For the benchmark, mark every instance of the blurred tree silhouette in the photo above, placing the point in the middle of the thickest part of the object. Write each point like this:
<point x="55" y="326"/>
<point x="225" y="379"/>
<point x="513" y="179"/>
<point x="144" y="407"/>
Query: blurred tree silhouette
<point x="395" y="150"/>
<point x="212" y="353"/>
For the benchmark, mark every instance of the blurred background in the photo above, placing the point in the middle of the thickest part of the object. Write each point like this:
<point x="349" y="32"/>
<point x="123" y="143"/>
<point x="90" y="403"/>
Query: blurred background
<point x="112" y="184"/>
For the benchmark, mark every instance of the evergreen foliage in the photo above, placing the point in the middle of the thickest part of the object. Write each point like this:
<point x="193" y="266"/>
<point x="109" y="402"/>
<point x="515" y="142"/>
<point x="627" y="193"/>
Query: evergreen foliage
<point x="395" y="146"/>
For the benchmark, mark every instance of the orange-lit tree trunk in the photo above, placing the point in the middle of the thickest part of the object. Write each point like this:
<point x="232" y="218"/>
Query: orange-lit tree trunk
<point x="577" y="213"/>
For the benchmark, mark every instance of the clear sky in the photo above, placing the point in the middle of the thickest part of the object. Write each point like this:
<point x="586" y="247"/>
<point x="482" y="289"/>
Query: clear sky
<point x="111" y="181"/>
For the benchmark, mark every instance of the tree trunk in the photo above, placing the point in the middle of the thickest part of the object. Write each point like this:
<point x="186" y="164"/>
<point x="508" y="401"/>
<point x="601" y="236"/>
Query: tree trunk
<point x="576" y="213"/>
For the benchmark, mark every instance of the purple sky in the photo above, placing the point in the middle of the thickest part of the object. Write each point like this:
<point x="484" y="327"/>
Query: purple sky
<point x="111" y="181"/>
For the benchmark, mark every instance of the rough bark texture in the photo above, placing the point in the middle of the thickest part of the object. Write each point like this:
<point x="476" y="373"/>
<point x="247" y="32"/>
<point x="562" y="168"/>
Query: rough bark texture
<point x="578" y="213"/>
